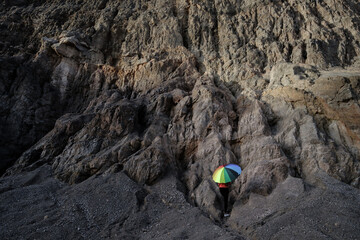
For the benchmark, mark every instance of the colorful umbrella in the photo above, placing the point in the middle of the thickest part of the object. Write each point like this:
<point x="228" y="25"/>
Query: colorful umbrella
<point x="226" y="173"/>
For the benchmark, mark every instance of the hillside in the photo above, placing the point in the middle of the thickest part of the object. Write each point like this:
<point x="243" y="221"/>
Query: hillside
<point x="114" y="115"/>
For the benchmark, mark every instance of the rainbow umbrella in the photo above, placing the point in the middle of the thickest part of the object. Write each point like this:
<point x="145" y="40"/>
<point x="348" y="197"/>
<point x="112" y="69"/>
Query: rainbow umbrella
<point x="226" y="173"/>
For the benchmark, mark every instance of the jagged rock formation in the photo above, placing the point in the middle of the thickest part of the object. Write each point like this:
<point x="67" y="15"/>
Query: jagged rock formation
<point x="135" y="103"/>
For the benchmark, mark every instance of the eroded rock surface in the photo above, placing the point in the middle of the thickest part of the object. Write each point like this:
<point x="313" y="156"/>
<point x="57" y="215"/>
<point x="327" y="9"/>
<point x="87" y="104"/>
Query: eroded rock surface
<point x="114" y="115"/>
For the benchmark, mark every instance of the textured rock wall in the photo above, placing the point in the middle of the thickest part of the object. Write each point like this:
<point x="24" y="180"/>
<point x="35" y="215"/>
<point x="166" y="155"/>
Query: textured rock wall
<point x="151" y="87"/>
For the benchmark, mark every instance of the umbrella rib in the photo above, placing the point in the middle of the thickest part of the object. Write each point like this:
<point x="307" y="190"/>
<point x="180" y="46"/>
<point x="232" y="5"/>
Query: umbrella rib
<point x="227" y="176"/>
<point x="233" y="172"/>
<point x="231" y="175"/>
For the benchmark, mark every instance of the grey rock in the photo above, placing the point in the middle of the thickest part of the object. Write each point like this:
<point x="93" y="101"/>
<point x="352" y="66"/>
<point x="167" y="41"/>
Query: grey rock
<point x="114" y="115"/>
<point x="295" y="208"/>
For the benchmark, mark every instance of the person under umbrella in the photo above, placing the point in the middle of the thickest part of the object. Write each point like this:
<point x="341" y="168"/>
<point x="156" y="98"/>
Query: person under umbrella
<point x="223" y="176"/>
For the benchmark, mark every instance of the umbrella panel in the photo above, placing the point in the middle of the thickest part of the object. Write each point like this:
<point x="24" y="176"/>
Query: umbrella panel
<point x="234" y="167"/>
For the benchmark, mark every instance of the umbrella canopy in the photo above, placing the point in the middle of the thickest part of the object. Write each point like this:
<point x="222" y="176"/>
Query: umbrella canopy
<point x="226" y="173"/>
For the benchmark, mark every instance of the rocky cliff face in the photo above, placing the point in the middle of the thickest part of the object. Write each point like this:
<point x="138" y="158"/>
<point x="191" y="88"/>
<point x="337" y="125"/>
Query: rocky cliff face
<point x="114" y="114"/>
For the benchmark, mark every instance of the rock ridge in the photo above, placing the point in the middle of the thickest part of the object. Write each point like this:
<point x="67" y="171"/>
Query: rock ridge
<point x="140" y="101"/>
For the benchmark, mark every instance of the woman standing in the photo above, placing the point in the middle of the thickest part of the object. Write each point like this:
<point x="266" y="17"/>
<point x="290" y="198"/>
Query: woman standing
<point x="224" y="190"/>
<point x="223" y="176"/>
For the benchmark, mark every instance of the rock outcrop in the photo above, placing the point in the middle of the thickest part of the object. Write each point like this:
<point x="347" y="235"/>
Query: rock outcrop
<point x="114" y="115"/>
